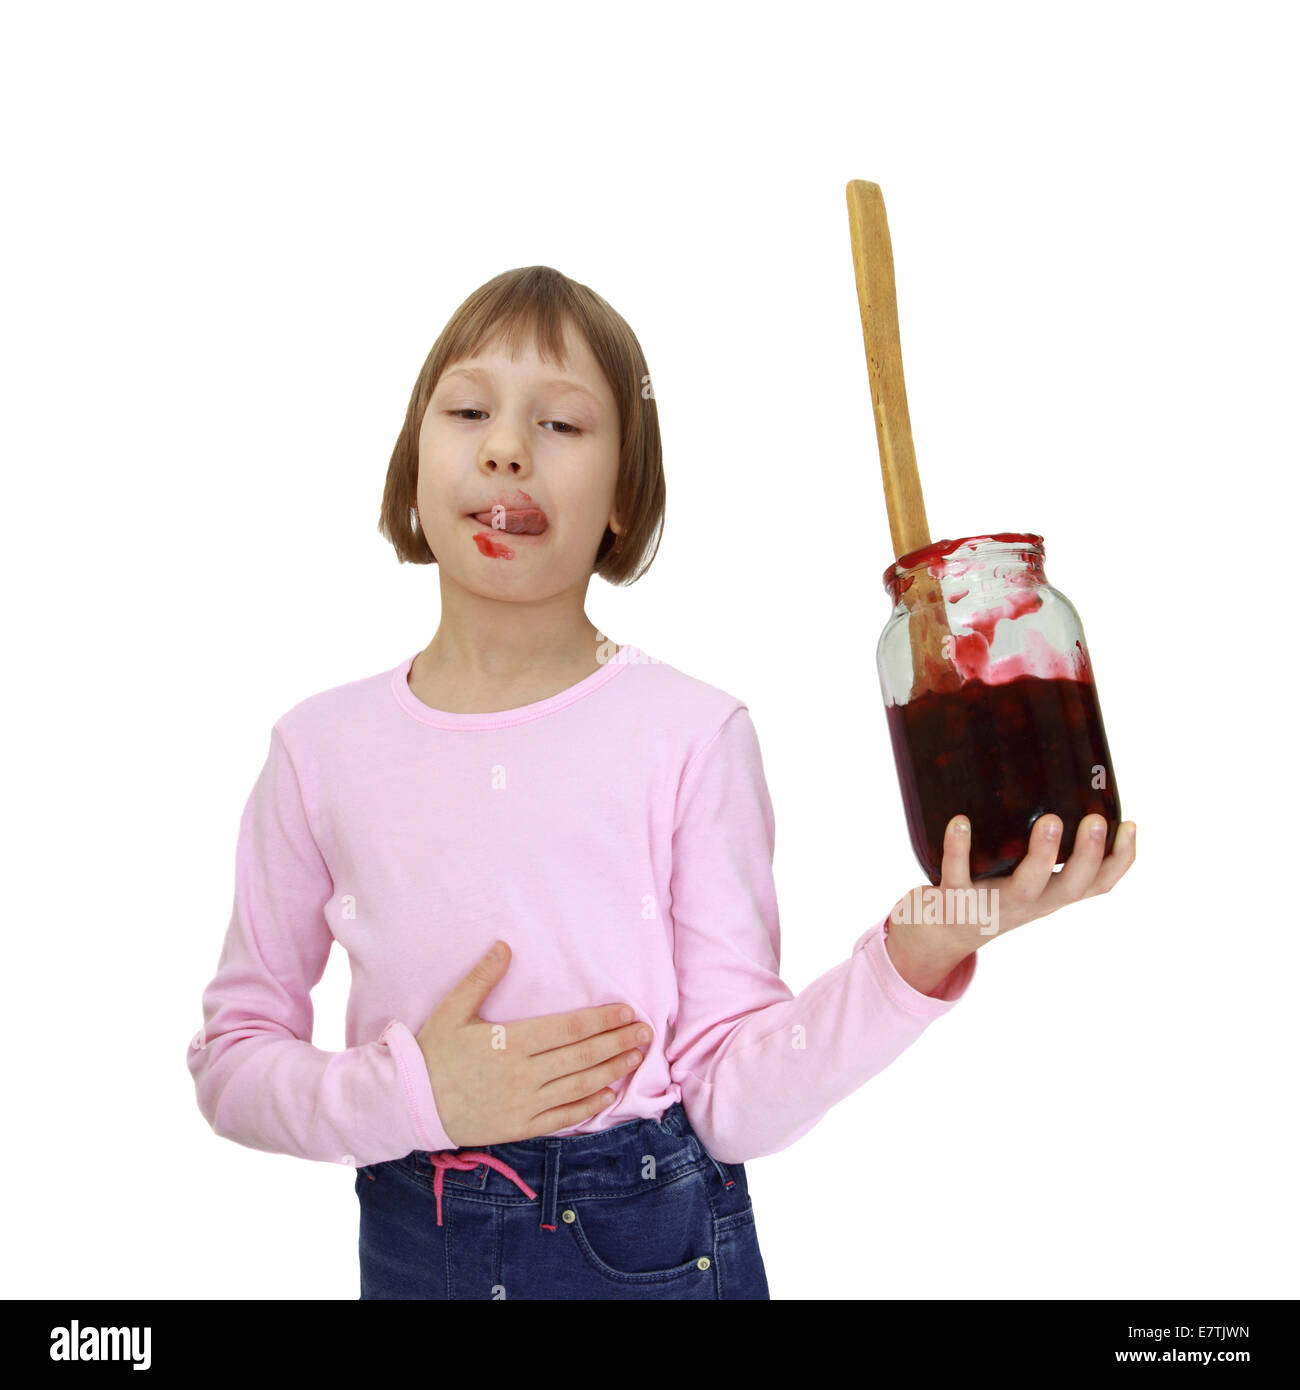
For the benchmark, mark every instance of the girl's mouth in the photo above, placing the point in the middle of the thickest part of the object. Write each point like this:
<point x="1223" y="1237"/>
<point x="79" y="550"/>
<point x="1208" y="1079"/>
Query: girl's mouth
<point x="513" y="521"/>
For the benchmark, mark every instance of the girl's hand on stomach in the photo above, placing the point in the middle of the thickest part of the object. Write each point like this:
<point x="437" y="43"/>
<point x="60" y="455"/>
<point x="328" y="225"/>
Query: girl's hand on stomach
<point x="494" y="1083"/>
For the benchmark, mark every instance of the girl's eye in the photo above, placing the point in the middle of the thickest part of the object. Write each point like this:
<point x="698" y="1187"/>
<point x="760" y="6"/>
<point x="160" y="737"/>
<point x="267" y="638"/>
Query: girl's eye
<point x="568" y="428"/>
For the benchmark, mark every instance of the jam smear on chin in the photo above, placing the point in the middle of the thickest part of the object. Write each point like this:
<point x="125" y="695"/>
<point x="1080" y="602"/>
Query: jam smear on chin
<point x="492" y="547"/>
<point x="1002" y="755"/>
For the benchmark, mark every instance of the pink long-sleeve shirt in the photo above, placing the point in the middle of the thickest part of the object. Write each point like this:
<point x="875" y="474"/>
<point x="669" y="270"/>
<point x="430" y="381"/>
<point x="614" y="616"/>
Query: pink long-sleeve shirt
<point x="619" y="836"/>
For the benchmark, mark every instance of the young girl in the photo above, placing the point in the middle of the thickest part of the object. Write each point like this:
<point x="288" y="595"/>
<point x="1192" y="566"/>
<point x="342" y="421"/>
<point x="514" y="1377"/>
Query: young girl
<point x="569" y="1118"/>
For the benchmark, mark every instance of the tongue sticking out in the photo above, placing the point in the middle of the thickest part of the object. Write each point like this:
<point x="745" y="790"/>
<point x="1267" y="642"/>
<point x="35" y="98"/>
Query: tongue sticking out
<point x="527" y="521"/>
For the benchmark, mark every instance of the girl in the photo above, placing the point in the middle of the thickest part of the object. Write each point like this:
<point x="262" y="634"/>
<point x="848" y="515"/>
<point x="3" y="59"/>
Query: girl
<point x="600" y="817"/>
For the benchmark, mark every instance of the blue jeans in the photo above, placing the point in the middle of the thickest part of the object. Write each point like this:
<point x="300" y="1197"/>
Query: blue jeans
<point x="638" y="1210"/>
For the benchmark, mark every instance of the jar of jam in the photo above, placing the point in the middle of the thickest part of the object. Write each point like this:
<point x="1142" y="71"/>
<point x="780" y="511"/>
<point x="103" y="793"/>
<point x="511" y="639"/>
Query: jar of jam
<point x="990" y="702"/>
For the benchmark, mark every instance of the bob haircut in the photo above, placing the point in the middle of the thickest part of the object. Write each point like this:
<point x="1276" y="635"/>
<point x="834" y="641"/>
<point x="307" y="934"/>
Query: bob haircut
<point x="538" y="300"/>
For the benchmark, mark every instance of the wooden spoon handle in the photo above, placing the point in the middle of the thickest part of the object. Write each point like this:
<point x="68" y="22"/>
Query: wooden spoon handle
<point x="873" y="268"/>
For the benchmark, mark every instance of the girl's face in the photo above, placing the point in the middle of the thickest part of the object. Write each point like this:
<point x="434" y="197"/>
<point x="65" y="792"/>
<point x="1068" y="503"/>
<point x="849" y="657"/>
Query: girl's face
<point x="518" y="465"/>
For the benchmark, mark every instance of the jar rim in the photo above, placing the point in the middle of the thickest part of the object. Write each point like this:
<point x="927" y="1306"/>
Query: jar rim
<point x="938" y="550"/>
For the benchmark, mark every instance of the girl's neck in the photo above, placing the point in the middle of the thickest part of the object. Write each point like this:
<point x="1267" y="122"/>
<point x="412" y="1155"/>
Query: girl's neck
<point x="516" y="654"/>
<point x="481" y="677"/>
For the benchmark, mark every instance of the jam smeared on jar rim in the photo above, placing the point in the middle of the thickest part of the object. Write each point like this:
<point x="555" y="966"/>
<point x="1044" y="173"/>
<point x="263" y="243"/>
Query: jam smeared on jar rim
<point x="931" y="555"/>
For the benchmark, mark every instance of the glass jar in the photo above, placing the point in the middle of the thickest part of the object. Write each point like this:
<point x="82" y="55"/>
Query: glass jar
<point x="990" y="702"/>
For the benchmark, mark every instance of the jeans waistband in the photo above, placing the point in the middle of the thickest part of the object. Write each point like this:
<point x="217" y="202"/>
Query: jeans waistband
<point x="621" y="1159"/>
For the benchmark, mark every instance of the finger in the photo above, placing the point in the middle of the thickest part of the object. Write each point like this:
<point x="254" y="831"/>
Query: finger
<point x="569" y="1073"/>
<point x="1108" y="872"/>
<point x="1118" y="862"/>
<point x="1034" y="871"/>
<point x="954" y="871"/>
<point x="550" y="1031"/>
<point x="1074" y="880"/>
<point x="613" y="1048"/>
<point x="464" y="1001"/>
<point x="566" y="1116"/>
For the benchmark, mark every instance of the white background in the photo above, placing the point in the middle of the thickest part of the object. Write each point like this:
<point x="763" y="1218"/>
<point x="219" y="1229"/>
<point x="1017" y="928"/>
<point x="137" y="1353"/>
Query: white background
<point x="232" y="235"/>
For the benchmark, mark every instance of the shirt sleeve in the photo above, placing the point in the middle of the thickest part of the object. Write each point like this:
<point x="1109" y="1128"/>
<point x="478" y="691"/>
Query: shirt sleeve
<point x="757" y="1065"/>
<point x="259" y="1080"/>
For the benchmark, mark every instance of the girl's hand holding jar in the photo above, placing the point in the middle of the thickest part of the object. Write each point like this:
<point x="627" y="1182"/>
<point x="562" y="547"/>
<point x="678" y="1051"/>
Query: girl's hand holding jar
<point x="924" y="950"/>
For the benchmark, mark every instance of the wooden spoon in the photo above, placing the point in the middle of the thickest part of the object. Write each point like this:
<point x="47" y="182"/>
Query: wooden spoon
<point x="873" y="266"/>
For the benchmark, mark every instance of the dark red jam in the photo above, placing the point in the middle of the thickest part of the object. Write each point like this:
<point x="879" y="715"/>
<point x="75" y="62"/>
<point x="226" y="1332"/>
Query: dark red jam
<point x="1002" y="755"/>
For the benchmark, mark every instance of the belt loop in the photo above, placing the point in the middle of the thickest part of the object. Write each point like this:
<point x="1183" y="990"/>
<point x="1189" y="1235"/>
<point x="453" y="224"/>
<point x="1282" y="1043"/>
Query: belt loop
<point x="723" y="1172"/>
<point x="684" y="1129"/>
<point x="550" y="1183"/>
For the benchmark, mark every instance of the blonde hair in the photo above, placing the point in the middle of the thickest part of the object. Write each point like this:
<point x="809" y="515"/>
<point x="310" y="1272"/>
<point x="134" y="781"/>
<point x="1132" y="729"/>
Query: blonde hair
<point x="538" y="300"/>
